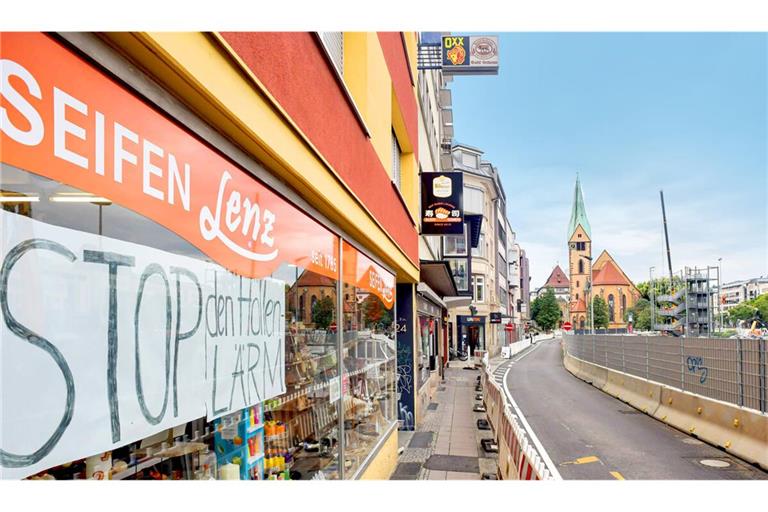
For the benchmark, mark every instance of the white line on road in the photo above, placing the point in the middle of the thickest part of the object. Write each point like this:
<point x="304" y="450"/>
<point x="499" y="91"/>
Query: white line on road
<point x="544" y="455"/>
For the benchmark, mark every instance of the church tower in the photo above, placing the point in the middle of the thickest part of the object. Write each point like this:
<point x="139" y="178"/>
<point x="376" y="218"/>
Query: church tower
<point x="580" y="260"/>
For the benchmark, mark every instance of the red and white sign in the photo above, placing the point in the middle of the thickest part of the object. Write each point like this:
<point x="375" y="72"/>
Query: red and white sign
<point x="71" y="123"/>
<point x="567" y="326"/>
<point x="509" y="327"/>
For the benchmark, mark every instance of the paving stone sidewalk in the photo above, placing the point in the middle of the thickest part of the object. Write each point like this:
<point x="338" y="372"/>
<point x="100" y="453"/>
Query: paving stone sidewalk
<point x="446" y="446"/>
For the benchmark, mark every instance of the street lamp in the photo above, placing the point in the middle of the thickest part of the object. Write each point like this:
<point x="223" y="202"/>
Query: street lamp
<point x="653" y="298"/>
<point x="720" y="290"/>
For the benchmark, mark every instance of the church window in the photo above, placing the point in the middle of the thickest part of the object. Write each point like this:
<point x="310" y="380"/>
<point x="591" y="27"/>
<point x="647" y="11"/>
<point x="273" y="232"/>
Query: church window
<point x="577" y="296"/>
<point x="623" y="303"/>
<point x="581" y="266"/>
<point x="611" y="308"/>
<point x="577" y="284"/>
<point x="581" y="323"/>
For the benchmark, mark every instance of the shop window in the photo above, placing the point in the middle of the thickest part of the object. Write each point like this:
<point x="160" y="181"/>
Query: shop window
<point x="370" y="359"/>
<point x="295" y="432"/>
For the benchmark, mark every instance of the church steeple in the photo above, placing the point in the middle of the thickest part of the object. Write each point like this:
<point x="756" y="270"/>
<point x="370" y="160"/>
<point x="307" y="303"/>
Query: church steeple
<point x="578" y="213"/>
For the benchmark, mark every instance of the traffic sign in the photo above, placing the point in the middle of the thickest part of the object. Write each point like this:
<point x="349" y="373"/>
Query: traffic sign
<point x="567" y="326"/>
<point x="509" y="327"/>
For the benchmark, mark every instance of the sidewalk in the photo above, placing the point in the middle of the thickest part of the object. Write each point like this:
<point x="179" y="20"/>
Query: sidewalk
<point x="446" y="445"/>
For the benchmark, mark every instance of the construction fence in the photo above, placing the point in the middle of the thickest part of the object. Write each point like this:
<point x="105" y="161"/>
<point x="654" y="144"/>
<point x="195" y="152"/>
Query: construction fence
<point x="726" y="369"/>
<point x="518" y="459"/>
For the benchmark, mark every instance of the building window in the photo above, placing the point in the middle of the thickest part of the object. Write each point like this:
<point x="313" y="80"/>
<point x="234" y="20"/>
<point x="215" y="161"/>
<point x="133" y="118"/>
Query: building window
<point x="456" y="245"/>
<point x="581" y="267"/>
<point x="469" y="160"/>
<point x="474" y="200"/>
<point x="459" y="271"/>
<point x="623" y="304"/>
<point x="478" y="288"/>
<point x="577" y="284"/>
<point x="396" y="154"/>
<point x="611" y="308"/>
<point x="334" y="45"/>
<point x="479" y="251"/>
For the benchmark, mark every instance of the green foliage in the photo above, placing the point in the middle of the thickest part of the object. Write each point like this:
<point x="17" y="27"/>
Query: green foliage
<point x="546" y="311"/>
<point x="660" y="286"/>
<point x="743" y="311"/>
<point x="644" y="288"/>
<point x="322" y="312"/>
<point x="601" y="312"/>
<point x="761" y="303"/>
<point x="375" y="313"/>
<point x="641" y="315"/>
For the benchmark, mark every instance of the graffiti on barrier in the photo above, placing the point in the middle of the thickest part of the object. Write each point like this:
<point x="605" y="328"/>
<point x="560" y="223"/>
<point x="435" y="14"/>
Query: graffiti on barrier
<point x="696" y="365"/>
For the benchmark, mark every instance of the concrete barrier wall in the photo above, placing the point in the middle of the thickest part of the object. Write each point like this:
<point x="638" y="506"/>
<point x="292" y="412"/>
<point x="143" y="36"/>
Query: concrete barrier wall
<point x="738" y="430"/>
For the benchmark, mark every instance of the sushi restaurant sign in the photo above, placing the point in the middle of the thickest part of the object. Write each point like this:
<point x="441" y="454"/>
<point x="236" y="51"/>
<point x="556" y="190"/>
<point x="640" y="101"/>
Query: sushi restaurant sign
<point x="441" y="203"/>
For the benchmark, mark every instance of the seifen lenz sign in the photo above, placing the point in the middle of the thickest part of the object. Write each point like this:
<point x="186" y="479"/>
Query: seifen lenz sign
<point x="470" y="55"/>
<point x="442" y="212"/>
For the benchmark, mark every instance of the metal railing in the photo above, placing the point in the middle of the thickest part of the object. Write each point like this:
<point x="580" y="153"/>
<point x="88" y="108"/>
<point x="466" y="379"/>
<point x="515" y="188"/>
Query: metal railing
<point x="727" y="369"/>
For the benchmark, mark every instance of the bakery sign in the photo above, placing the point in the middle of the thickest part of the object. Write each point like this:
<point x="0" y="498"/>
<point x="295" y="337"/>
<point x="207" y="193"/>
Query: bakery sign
<point x="441" y="203"/>
<point x="470" y="55"/>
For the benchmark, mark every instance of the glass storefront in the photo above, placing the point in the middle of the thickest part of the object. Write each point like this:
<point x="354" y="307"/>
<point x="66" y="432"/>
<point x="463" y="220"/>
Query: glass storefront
<point x="429" y="339"/>
<point x="164" y="314"/>
<point x="369" y="353"/>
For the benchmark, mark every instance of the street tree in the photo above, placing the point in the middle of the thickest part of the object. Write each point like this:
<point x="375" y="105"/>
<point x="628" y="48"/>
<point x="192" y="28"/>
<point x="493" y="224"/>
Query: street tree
<point x="322" y="312"/>
<point x="548" y="313"/>
<point x="601" y="312"/>
<point x="641" y="315"/>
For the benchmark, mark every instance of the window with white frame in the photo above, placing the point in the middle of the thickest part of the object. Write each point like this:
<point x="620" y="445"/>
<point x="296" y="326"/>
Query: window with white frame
<point x="396" y="154"/>
<point x="334" y="45"/>
<point x="474" y="200"/>
<point x="478" y="288"/>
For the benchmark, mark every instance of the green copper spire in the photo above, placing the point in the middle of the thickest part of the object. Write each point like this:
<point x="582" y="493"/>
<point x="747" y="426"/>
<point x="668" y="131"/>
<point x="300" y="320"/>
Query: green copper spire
<point x="579" y="213"/>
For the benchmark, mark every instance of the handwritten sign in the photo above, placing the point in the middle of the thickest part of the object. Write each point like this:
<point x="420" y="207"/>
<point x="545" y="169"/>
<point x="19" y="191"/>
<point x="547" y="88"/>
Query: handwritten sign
<point x="106" y="342"/>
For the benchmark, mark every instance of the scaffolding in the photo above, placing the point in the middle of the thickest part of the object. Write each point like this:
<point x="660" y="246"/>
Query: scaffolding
<point x="688" y="306"/>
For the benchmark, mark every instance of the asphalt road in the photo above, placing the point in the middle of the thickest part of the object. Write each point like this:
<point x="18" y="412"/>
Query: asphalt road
<point x="591" y="435"/>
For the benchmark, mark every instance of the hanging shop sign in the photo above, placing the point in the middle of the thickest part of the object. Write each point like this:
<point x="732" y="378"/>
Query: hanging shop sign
<point x="495" y="317"/>
<point x="148" y="340"/>
<point x="73" y="124"/>
<point x="442" y="210"/>
<point x="470" y="55"/>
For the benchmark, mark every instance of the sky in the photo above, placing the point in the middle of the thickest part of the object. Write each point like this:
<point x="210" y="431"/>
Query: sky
<point x="632" y="113"/>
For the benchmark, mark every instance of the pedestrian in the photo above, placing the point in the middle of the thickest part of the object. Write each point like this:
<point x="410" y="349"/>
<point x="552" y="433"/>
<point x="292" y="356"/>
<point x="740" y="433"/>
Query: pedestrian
<point x="472" y="347"/>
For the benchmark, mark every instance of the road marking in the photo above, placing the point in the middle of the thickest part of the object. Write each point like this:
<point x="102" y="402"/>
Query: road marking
<point x="582" y="460"/>
<point x="617" y="475"/>
<point x="542" y="452"/>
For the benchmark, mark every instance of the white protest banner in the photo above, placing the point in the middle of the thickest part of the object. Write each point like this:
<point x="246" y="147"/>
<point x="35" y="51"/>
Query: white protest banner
<point x="245" y="321"/>
<point x="103" y="342"/>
